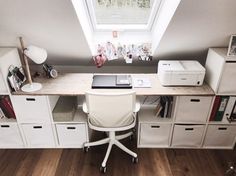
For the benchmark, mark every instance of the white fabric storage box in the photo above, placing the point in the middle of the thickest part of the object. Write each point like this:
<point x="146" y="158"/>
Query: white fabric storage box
<point x="39" y="135"/>
<point x="193" y="109"/>
<point x="31" y="109"/>
<point x="228" y="81"/>
<point x="71" y="135"/>
<point x="10" y="136"/>
<point x="187" y="135"/>
<point x="154" y="134"/>
<point x="218" y="136"/>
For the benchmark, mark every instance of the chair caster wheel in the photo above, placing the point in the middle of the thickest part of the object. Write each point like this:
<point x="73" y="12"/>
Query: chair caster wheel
<point x="135" y="160"/>
<point x="86" y="149"/>
<point x="103" y="169"/>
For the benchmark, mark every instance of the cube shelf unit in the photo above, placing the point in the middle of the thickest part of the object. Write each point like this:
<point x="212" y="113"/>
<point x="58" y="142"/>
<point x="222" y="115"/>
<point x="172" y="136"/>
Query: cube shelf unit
<point x="41" y="130"/>
<point x="153" y="131"/>
<point x="34" y="126"/>
<point x="185" y="129"/>
<point x="220" y="75"/>
<point x="10" y="133"/>
<point x="189" y="125"/>
<point x="72" y="133"/>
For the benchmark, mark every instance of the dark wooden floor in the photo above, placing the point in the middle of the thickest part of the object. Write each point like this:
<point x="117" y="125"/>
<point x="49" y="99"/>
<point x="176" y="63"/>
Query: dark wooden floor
<point x="159" y="162"/>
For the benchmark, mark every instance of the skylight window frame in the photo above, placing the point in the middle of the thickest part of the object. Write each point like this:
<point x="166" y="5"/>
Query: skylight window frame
<point x="125" y="27"/>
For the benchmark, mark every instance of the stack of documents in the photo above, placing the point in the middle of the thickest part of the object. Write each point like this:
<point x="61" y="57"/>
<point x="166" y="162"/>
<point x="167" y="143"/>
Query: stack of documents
<point x="141" y="82"/>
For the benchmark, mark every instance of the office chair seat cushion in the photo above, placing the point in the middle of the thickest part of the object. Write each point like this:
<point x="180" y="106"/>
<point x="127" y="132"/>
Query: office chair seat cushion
<point x="111" y="122"/>
<point x="64" y="109"/>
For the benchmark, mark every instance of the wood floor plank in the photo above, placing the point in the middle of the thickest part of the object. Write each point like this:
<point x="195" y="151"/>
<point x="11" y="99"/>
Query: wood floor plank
<point x="29" y="162"/>
<point x="10" y="161"/>
<point x="47" y="163"/>
<point x="152" y="162"/>
<point x="193" y="162"/>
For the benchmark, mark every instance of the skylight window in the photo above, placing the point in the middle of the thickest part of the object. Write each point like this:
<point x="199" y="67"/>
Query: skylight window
<point x="122" y="14"/>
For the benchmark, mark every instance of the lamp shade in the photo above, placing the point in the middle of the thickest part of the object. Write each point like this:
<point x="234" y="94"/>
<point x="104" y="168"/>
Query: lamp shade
<point x="36" y="54"/>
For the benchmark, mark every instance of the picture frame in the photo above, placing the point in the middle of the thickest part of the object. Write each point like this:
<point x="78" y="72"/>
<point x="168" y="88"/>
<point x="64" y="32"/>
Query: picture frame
<point x="232" y="46"/>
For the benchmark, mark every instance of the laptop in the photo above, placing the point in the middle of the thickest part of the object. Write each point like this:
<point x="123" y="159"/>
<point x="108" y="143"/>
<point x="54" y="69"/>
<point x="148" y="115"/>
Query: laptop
<point x="112" y="82"/>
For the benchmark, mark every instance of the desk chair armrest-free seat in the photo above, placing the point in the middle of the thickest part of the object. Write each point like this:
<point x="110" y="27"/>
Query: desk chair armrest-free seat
<point x="111" y="112"/>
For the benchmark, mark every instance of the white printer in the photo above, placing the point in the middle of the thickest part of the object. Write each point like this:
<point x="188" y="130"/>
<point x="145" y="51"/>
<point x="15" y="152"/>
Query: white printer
<point x="180" y="73"/>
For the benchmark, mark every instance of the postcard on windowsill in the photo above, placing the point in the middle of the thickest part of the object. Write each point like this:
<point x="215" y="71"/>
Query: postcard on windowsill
<point x="141" y="82"/>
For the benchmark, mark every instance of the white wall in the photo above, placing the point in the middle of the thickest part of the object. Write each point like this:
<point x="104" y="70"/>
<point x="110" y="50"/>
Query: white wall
<point x="51" y="24"/>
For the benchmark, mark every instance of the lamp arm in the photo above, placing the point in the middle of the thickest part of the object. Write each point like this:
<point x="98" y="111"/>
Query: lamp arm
<point x="26" y="61"/>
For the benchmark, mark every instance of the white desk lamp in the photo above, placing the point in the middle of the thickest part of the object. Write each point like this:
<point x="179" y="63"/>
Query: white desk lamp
<point x="37" y="55"/>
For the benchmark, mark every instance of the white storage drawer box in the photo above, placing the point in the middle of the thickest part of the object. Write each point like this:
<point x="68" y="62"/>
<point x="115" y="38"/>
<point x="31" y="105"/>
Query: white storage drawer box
<point x="39" y="135"/>
<point x="228" y="82"/>
<point x="71" y="135"/>
<point x="31" y="109"/>
<point x="220" y="136"/>
<point x="187" y="135"/>
<point x="10" y="136"/>
<point x="154" y="134"/>
<point x="193" y="109"/>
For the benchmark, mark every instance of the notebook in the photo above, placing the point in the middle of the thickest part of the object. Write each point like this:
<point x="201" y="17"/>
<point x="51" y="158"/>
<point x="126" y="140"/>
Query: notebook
<point x="112" y="82"/>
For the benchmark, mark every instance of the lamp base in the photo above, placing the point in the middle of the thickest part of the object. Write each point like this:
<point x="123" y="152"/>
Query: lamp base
<point x="31" y="87"/>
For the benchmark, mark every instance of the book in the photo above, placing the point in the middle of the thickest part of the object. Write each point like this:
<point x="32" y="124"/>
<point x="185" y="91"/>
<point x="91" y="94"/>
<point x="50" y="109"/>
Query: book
<point x="166" y="103"/>
<point x="158" y="110"/>
<point x="6" y="106"/>
<point x="230" y="110"/>
<point x="170" y="99"/>
<point x="215" y="108"/>
<point x="162" y="102"/>
<point x="166" y="106"/>
<point x="221" y="109"/>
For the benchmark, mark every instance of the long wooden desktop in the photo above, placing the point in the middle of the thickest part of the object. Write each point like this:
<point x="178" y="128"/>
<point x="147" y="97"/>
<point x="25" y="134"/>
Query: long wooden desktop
<point x="79" y="83"/>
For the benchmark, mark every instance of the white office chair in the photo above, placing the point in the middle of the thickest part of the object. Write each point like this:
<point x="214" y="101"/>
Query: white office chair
<point x="111" y="112"/>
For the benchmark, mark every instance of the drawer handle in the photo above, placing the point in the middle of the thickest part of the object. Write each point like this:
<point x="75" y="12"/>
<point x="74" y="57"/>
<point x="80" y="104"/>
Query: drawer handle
<point x="71" y="128"/>
<point x="189" y="129"/>
<point x="195" y="100"/>
<point x="222" y="128"/>
<point x="37" y="127"/>
<point x="155" y="126"/>
<point x="5" y="126"/>
<point x="30" y="99"/>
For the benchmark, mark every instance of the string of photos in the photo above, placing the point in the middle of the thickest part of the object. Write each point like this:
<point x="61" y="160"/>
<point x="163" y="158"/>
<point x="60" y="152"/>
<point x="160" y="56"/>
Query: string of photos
<point x="110" y="51"/>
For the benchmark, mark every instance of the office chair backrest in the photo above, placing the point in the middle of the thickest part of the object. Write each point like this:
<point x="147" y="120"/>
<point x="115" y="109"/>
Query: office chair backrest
<point x="111" y="109"/>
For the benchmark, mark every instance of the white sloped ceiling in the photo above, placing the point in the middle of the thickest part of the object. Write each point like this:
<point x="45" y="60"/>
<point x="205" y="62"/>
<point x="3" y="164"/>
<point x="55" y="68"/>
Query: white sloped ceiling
<point x="53" y="24"/>
<point x="196" y="26"/>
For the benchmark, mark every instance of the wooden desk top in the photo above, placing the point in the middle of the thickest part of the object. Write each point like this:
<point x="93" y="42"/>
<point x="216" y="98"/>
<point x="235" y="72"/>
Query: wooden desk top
<point x="78" y="83"/>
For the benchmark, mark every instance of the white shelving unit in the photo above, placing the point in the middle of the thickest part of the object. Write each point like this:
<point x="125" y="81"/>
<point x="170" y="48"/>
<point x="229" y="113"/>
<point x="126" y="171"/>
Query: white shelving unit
<point x="153" y="131"/>
<point x="72" y="133"/>
<point x="10" y="134"/>
<point x="185" y="129"/>
<point x="220" y="75"/>
<point x="34" y="116"/>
